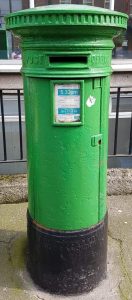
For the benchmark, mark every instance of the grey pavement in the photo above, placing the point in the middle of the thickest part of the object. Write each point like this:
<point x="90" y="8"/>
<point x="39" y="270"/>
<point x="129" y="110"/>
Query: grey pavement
<point x="15" y="282"/>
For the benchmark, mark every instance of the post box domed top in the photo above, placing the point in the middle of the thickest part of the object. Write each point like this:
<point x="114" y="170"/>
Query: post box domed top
<point x="65" y="15"/>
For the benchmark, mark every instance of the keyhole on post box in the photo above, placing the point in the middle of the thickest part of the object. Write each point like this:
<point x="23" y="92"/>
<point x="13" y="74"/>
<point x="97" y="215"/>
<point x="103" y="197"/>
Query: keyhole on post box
<point x="96" y="140"/>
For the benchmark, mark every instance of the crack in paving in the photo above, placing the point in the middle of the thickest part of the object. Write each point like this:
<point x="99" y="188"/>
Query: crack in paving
<point x="41" y="298"/>
<point x="9" y="247"/>
<point x="3" y="242"/>
<point x="121" y="255"/>
<point x="123" y="297"/>
<point x="124" y="269"/>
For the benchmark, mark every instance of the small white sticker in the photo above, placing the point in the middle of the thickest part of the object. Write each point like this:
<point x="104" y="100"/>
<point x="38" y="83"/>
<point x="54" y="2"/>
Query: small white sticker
<point x="91" y="101"/>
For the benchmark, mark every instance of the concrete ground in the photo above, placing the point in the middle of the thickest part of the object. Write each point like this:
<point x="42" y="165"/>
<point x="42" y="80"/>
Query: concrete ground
<point x="15" y="282"/>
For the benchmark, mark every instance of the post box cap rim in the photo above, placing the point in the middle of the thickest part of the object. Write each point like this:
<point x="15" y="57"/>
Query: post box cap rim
<point x="52" y="15"/>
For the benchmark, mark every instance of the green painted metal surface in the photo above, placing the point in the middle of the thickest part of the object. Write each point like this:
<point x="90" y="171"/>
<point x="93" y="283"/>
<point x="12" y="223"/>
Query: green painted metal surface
<point x="66" y="69"/>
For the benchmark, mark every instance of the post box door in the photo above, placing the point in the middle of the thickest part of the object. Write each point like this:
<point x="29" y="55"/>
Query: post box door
<point x="64" y="158"/>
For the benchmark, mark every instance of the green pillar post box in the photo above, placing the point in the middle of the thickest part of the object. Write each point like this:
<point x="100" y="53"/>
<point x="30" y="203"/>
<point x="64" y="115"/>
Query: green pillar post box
<point x="66" y="69"/>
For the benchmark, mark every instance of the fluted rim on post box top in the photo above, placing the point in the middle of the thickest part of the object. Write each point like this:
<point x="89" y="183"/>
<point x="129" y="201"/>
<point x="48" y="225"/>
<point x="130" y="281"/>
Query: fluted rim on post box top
<point x="64" y="15"/>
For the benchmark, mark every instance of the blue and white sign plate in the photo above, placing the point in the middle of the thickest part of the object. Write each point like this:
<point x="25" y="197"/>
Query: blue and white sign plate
<point x="67" y="103"/>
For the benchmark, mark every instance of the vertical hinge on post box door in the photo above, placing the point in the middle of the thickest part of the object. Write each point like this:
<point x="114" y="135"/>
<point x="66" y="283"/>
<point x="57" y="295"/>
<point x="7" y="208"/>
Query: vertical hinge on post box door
<point x="96" y="140"/>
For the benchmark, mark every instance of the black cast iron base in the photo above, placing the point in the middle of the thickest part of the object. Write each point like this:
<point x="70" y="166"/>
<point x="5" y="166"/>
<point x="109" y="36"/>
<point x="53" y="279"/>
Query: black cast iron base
<point x="67" y="262"/>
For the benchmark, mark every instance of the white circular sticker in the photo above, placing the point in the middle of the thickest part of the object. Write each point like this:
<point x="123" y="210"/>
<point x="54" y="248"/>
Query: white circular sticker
<point x="91" y="101"/>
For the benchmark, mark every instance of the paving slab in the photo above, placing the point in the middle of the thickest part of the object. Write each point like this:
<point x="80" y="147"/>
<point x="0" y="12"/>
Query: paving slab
<point x="15" y="282"/>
